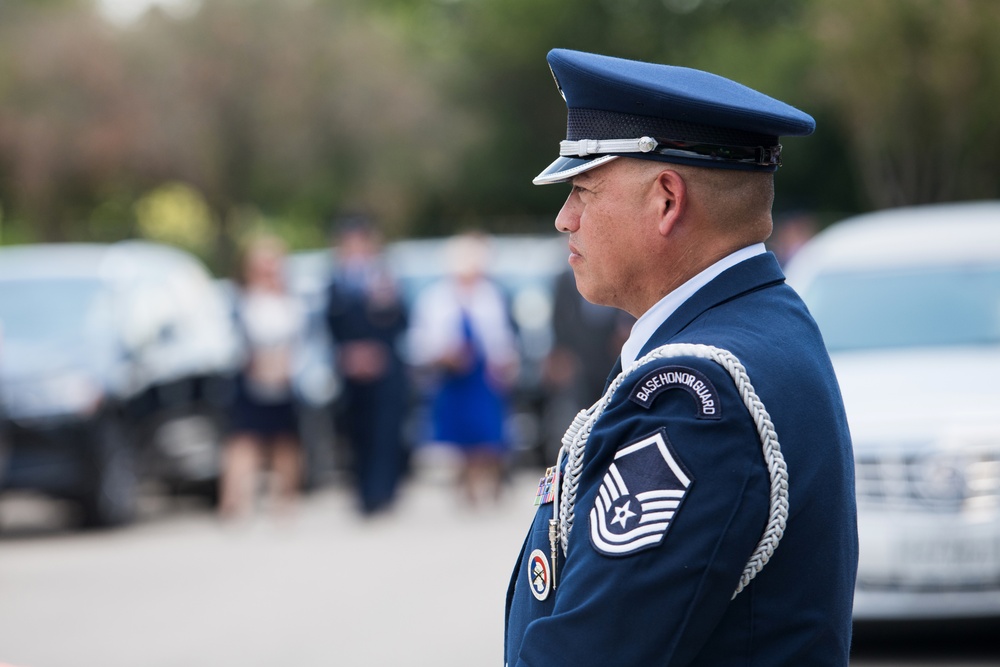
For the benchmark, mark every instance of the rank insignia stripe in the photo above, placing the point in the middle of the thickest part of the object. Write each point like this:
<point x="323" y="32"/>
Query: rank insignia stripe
<point x="692" y="381"/>
<point x="639" y="497"/>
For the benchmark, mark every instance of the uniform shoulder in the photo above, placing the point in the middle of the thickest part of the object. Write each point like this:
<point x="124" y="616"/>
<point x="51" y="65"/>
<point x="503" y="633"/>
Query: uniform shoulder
<point x="705" y="373"/>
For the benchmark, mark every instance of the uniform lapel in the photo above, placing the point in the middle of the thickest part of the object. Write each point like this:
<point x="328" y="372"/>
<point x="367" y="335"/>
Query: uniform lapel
<point x="747" y="276"/>
<point x="615" y="370"/>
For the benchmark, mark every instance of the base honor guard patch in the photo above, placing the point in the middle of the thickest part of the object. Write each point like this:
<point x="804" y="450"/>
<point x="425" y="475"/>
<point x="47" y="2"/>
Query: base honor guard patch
<point x="638" y="498"/>
<point x="694" y="382"/>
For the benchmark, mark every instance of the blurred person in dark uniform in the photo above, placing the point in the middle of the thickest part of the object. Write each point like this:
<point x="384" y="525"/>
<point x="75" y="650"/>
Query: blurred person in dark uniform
<point x="791" y="232"/>
<point x="586" y="341"/>
<point x="702" y="511"/>
<point x="263" y="422"/>
<point x="367" y="317"/>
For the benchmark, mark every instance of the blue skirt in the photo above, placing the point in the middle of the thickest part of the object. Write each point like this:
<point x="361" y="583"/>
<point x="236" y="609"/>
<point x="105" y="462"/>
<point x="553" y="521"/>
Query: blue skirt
<point x="468" y="412"/>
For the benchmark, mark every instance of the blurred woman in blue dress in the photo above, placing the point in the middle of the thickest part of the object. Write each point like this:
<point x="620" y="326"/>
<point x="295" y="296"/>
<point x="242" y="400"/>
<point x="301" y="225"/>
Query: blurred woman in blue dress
<point x="462" y="331"/>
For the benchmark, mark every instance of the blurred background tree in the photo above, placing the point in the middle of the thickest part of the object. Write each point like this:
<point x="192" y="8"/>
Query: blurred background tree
<point x="915" y="85"/>
<point x="68" y="118"/>
<point x="433" y="115"/>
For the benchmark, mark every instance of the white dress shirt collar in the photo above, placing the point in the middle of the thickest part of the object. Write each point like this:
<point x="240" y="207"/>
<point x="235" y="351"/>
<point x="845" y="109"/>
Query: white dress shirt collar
<point x="651" y="320"/>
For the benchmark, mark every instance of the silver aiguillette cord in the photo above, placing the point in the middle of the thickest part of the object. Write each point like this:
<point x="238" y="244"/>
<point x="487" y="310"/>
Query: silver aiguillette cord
<point x="574" y="443"/>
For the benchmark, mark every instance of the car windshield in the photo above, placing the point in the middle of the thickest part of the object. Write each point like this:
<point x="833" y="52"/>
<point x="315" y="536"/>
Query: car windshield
<point x="46" y="310"/>
<point x="949" y="306"/>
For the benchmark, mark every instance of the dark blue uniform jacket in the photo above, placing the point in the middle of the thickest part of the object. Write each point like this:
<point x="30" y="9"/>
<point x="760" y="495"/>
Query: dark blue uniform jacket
<point x="666" y="599"/>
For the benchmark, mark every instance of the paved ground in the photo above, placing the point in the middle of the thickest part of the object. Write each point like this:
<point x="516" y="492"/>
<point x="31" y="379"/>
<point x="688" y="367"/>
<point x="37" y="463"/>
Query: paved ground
<point x="423" y="586"/>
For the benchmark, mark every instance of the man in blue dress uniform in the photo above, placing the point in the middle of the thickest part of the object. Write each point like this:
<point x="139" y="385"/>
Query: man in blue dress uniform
<point x="705" y="512"/>
<point x="366" y="317"/>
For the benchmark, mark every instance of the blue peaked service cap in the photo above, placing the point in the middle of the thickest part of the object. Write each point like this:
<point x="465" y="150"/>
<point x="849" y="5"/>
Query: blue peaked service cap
<point x="619" y="107"/>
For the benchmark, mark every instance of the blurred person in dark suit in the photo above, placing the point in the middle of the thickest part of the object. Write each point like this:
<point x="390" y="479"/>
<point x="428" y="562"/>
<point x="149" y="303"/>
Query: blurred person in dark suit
<point x="791" y="232"/>
<point x="366" y="317"/>
<point x="586" y="341"/>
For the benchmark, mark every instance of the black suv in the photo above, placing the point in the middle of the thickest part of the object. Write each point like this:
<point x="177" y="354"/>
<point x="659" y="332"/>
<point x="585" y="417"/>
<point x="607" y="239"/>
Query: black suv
<point x="115" y="366"/>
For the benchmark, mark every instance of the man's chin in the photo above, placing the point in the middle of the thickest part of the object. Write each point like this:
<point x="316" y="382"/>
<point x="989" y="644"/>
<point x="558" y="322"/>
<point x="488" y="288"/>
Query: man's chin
<point x="587" y="291"/>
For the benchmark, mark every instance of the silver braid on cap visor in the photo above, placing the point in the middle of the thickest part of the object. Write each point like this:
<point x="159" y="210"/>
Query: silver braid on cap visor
<point x="574" y="444"/>
<point x="761" y="156"/>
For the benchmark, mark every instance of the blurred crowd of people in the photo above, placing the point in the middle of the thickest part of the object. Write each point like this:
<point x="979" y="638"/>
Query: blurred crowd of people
<point x="442" y="355"/>
<point x="451" y="354"/>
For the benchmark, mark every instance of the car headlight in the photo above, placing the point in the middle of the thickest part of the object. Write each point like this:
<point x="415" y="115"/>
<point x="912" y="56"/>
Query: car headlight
<point x="56" y="396"/>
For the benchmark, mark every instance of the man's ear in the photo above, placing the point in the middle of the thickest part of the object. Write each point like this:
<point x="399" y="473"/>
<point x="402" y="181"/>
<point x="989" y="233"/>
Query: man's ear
<point x="671" y="194"/>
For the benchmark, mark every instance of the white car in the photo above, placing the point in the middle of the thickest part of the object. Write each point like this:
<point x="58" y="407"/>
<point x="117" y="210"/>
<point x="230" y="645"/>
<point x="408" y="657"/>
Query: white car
<point x="909" y="304"/>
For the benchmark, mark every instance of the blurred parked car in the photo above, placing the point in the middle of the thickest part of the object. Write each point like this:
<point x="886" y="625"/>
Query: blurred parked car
<point x="115" y="366"/>
<point x="909" y="304"/>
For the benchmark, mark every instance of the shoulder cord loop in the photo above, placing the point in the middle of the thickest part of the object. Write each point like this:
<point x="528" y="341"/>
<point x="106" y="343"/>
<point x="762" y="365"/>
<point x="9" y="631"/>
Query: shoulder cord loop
<point x="574" y="443"/>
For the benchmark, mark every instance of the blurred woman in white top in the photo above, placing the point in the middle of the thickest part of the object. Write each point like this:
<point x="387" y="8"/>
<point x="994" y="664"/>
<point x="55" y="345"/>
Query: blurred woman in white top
<point x="263" y="421"/>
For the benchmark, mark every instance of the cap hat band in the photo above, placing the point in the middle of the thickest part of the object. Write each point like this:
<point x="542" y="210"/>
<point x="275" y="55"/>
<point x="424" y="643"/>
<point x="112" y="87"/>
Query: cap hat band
<point x="592" y="123"/>
<point x="763" y="156"/>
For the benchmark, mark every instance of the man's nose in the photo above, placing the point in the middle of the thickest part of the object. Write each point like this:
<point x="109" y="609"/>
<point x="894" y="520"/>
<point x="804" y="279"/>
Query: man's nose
<point x="568" y="219"/>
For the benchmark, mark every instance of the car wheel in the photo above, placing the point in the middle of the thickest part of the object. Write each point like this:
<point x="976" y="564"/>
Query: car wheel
<point x="189" y="446"/>
<point x="111" y="498"/>
<point x="206" y="491"/>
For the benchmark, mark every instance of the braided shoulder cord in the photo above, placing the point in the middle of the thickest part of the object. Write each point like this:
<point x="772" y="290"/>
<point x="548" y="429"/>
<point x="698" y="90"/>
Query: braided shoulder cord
<point x="574" y="444"/>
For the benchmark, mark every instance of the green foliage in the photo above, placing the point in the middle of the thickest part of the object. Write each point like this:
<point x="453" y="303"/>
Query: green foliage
<point x="432" y="115"/>
<point x="176" y="214"/>
<point x="913" y="83"/>
<point x="506" y="84"/>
